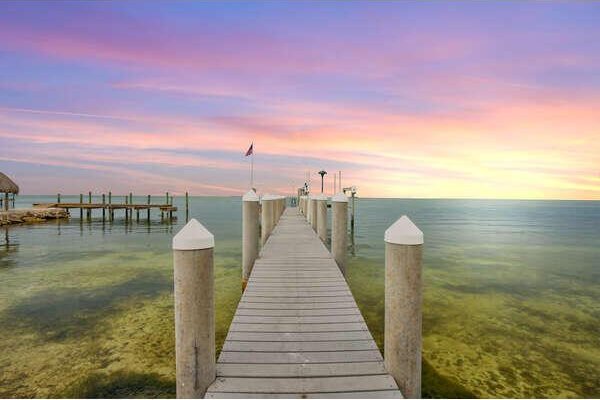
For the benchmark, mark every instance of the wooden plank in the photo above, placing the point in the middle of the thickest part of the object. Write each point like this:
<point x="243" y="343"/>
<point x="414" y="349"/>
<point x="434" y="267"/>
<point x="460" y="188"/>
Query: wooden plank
<point x="303" y="299"/>
<point x="301" y="370"/>
<point x="284" y="312"/>
<point x="347" y="345"/>
<point x="242" y="305"/>
<point x="304" y="385"/>
<point x="343" y="326"/>
<point x="367" y="394"/>
<point x="326" y="319"/>
<point x="299" y="357"/>
<point x="298" y="336"/>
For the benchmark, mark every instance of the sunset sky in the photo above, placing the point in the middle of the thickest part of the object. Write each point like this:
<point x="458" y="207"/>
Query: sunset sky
<point x="408" y="99"/>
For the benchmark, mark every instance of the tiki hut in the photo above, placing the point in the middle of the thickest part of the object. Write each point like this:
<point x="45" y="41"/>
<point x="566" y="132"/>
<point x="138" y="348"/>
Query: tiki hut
<point x="7" y="186"/>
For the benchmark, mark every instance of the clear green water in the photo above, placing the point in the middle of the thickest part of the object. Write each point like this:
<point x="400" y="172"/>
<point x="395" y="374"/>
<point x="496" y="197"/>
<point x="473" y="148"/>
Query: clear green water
<point x="511" y="297"/>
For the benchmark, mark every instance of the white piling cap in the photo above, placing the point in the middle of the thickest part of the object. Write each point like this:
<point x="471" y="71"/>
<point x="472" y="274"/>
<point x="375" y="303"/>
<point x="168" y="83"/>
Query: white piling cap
<point x="403" y="231"/>
<point x="250" y="196"/>
<point x="193" y="236"/>
<point x="340" y="198"/>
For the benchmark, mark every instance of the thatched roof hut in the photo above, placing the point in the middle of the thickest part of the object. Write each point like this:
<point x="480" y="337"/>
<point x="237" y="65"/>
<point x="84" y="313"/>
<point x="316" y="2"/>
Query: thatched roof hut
<point x="7" y="185"/>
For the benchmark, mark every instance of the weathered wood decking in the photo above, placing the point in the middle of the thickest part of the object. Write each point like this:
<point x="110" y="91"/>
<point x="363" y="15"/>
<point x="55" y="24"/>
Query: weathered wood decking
<point x="297" y="331"/>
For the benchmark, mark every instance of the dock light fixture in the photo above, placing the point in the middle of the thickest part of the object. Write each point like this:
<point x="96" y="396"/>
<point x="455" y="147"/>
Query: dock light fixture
<point x="322" y="173"/>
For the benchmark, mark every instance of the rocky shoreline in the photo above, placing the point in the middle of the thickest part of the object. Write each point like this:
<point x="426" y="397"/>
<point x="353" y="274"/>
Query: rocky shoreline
<point x="31" y="215"/>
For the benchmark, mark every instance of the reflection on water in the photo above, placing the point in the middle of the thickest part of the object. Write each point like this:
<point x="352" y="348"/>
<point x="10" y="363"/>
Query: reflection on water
<point x="511" y="297"/>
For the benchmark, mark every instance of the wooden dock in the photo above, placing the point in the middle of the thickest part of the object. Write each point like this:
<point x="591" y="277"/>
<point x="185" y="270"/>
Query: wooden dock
<point x="297" y="331"/>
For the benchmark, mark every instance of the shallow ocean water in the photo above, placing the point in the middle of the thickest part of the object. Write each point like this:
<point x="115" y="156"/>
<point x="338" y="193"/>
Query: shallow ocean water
<point x="511" y="302"/>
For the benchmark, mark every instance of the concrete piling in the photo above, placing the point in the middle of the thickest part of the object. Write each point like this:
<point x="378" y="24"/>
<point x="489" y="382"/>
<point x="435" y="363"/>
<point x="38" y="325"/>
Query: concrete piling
<point x="403" y="303"/>
<point x="194" y="310"/>
<point x="339" y="229"/>
<point x="250" y="233"/>
<point x="321" y="214"/>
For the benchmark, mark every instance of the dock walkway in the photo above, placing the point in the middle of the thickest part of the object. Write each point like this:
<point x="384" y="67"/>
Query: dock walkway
<point x="297" y="331"/>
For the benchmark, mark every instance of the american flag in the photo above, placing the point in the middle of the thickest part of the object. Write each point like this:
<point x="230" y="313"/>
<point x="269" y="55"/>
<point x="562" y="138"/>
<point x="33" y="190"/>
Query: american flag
<point x="250" y="150"/>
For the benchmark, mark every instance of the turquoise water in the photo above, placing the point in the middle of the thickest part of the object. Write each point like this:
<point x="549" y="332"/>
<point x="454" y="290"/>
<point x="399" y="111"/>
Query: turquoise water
<point x="511" y="297"/>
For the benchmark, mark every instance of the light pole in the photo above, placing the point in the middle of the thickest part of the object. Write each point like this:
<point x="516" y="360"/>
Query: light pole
<point x="322" y="173"/>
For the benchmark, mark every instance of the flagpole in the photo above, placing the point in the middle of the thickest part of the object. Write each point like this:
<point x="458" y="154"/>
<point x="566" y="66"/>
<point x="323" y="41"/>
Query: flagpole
<point x="252" y="168"/>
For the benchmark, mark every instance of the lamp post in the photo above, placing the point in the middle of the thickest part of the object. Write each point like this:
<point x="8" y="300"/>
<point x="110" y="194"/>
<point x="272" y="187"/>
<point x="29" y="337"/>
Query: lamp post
<point x="322" y="173"/>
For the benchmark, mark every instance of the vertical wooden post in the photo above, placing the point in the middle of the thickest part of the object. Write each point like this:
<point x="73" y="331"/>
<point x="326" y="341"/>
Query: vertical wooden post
<point x="58" y="198"/>
<point x="187" y="207"/>
<point x="339" y="229"/>
<point x="126" y="208"/>
<point x="6" y="202"/>
<point x="111" y="211"/>
<point x="403" y="299"/>
<point x="148" y="212"/>
<point x="103" y="207"/>
<point x="13" y="200"/>
<point x="137" y="215"/>
<point x="81" y="206"/>
<point x="250" y="232"/>
<point x="194" y="310"/>
<point x="321" y="206"/>
<point x="89" y="210"/>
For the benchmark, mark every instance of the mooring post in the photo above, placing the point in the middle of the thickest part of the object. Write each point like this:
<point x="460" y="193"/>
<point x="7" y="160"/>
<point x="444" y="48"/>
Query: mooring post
<point x="322" y="217"/>
<point x="250" y="232"/>
<point x="266" y="224"/>
<point x="89" y="210"/>
<point x="58" y="198"/>
<point x="126" y="208"/>
<point x="403" y="299"/>
<point x="193" y="265"/>
<point x="187" y="207"/>
<point x="148" y="211"/>
<point x="339" y="229"/>
<point x="313" y="212"/>
<point x="103" y="207"/>
<point x="111" y="214"/>
<point x="81" y="206"/>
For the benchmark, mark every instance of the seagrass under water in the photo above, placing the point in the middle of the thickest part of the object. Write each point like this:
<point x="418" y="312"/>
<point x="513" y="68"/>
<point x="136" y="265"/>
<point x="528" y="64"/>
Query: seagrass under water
<point x="511" y="297"/>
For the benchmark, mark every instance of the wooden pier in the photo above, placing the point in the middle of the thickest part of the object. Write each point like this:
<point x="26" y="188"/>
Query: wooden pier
<point x="297" y="331"/>
<point x="128" y="206"/>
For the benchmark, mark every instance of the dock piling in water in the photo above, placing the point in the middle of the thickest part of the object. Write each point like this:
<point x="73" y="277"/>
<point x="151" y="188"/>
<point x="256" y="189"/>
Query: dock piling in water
<point x="89" y="210"/>
<point x="250" y="233"/>
<point x="339" y="229"/>
<point x="103" y="208"/>
<point x="193" y="265"/>
<point x="81" y="209"/>
<point x="403" y="299"/>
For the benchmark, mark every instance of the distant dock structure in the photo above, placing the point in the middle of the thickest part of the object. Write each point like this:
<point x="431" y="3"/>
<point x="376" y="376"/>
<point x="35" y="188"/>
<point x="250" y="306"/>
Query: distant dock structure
<point x="109" y="206"/>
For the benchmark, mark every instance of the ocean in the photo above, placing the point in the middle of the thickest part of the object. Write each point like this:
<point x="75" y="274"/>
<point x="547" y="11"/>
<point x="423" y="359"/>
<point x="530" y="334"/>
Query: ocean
<point x="511" y="297"/>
